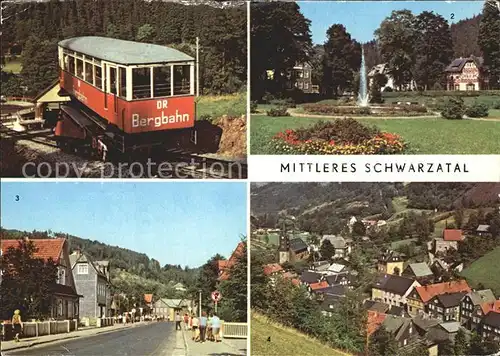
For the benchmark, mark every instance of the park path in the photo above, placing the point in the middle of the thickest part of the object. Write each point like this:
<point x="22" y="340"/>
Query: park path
<point x="228" y="347"/>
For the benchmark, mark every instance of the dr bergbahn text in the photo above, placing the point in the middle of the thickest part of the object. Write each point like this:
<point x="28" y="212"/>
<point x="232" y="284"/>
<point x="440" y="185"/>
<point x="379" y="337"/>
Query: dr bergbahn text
<point x="428" y="167"/>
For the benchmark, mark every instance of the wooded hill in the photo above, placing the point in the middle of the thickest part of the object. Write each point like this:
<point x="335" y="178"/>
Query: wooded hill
<point x="131" y="272"/>
<point x="222" y="33"/>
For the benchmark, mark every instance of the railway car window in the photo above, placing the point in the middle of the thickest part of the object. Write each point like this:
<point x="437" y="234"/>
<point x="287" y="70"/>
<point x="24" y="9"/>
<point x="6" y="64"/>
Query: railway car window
<point x="181" y="80"/>
<point x="122" y="82"/>
<point x="79" y="68"/>
<point x="112" y="80"/>
<point x="71" y="65"/>
<point x="141" y="83"/>
<point x="161" y="81"/>
<point x="98" y="77"/>
<point x="89" y="72"/>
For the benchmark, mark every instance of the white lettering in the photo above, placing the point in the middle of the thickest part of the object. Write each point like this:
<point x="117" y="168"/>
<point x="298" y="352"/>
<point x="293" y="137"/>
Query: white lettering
<point x="158" y="121"/>
<point x="135" y="120"/>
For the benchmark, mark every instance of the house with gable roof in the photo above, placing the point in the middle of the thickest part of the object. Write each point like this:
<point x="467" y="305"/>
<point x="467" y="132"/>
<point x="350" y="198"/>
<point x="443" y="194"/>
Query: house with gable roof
<point x="393" y="289"/>
<point x="65" y="301"/>
<point x="419" y="271"/>
<point x="471" y="303"/>
<point x="92" y="280"/>
<point x="466" y="74"/>
<point x="165" y="307"/>
<point x="224" y="266"/>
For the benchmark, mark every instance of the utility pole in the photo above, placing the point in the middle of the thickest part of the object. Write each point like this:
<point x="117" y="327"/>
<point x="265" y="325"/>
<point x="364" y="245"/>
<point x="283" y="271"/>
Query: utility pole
<point x="197" y="66"/>
<point x="200" y="302"/>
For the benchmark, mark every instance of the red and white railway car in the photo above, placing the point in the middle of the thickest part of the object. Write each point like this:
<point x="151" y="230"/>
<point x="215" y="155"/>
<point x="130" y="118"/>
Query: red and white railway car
<point x="126" y="94"/>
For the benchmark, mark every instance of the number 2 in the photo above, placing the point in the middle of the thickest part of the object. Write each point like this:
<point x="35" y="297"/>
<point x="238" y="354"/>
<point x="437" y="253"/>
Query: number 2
<point x="452" y="16"/>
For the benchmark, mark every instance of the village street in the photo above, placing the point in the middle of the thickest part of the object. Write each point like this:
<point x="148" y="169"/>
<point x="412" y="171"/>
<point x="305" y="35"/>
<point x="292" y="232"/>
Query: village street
<point x="159" y="339"/>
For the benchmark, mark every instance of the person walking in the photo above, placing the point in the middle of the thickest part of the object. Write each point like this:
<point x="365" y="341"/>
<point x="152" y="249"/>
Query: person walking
<point x="186" y="321"/>
<point x="17" y="324"/>
<point x="209" y="336"/>
<point x="178" y="320"/>
<point x="196" y="331"/>
<point x="203" y="327"/>
<point x="216" y="327"/>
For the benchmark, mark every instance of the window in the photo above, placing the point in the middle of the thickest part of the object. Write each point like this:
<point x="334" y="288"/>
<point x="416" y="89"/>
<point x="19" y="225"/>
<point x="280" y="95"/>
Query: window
<point x="59" y="307"/>
<point x="98" y="76"/>
<point x="89" y="72"/>
<point x="182" y="80"/>
<point x="71" y="65"/>
<point x="306" y="85"/>
<point x="161" y="81"/>
<point x="112" y="80"/>
<point x="301" y="85"/>
<point x="83" y="268"/>
<point x="61" y="277"/>
<point x="122" y="82"/>
<point x="79" y="68"/>
<point x="141" y="83"/>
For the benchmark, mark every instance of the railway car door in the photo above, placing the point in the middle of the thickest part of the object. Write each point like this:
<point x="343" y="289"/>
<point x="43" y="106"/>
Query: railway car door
<point x="105" y="78"/>
<point x="113" y="87"/>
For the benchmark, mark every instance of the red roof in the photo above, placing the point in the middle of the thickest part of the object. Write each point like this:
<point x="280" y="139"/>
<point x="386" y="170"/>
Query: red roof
<point x="221" y="264"/>
<point x="295" y="282"/>
<point x="148" y="298"/>
<point x="232" y="260"/>
<point x="375" y="319"/>
<point x="452" y="235"/>
<point x="289" y="275"/>
<point x="428" y="292"/>
<point x="272" y="268"/>
<point x="320" y="285"/>
<point x="45" y="248"/>
<point x="491" y="307"/>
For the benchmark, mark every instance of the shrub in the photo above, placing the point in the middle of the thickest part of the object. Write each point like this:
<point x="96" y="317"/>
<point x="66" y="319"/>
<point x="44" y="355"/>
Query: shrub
<point x="253" y="106"/>
<point x="477" y="110"/>
<point x="280" y="111"/>
<point x="496" y="105"/>
<point x="453" y="109"/>
<point x="288" y="102"/>
<point x="340" y="130"/>
<point x="206" y="117"/>
<point x="267" y="97"/>
<point x="388" y="90"/>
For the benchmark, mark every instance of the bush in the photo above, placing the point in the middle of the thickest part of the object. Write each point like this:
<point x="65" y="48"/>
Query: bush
<point x="454" y="109"/>
<point x="477" y="110"/>
<point x="496" y="105"/>
<point x="340" y="130"/>
<point x="288" y="102"/>
<point x="253" y="107"/>
<point x="280" y="111"/>
<point x="268" y="97"/>
<point x="388" y="90"/>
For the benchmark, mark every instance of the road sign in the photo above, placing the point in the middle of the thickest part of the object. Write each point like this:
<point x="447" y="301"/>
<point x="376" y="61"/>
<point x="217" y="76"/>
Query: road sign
<point x="216" y="296"/>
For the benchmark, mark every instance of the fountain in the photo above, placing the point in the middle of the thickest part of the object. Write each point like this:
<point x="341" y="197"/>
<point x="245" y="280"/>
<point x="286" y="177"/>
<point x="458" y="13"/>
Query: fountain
<point x="363" y="98"/>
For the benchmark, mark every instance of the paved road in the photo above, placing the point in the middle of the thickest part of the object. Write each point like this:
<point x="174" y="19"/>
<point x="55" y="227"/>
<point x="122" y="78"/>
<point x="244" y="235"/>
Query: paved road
<point x="156" y="339"/>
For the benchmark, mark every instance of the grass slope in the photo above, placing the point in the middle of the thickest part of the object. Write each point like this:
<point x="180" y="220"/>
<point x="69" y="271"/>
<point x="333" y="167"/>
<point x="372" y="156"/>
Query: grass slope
<point x="284" y="341"/>
<point x="425" y="136"/>
<point x="215" y="106"/>
<point x="485" y="271"/>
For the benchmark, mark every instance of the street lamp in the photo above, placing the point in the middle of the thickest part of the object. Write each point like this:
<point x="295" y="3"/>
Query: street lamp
<point x="199" y="291"/>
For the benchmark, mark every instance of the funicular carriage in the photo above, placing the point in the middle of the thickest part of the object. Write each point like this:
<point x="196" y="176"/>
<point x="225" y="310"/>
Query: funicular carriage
<point x="126" y="96"/>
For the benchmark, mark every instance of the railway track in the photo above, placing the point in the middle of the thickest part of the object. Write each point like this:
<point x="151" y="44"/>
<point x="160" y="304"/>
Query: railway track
<point x="181" y="164"/>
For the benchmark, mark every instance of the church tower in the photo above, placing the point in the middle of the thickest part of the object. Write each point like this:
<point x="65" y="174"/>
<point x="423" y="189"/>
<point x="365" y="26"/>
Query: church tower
<point x="284" y="248"/>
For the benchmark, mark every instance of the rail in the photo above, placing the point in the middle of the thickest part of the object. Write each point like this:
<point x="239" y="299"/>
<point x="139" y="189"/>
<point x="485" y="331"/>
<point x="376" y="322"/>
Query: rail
<point x="234" y="330"/>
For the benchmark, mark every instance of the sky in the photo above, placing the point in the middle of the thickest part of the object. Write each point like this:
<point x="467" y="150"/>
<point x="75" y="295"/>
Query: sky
<point x="362" y="18"/>
<point x="182" y="223"/>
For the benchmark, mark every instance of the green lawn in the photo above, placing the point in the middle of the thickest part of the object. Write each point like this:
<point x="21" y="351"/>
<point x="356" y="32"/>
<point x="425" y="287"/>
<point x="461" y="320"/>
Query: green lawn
<point x="485" y="271"/>
<point x="13" y="66"/>
<point x="215" y="106"/>
<point x="425" y="136"/>
<point x="494" y="114"/>
<point x="431" y="101"/>
<point x="270" y="339"/>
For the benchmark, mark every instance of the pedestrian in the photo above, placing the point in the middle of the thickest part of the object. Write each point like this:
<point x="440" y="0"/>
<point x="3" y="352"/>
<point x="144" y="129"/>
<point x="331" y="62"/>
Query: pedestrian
<point x="178" y="320"/>
<point x="203" y="327"/>
<point x="216" y="327"/>
<point x="209" y="328"/>
<point x="17" y="324"/>
<point x="196" y="330"/>
<point x="186" y="321"/>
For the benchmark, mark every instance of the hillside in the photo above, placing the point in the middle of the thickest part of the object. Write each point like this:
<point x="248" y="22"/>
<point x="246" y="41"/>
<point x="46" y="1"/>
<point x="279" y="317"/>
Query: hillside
<point x="464" y="35"/>
<point x="485" y="271"/>
<point x="271" y="339"/>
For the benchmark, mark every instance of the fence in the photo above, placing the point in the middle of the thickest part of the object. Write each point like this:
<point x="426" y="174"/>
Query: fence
<point x="102" y="322"/>
<point x="234" y="330"/>
<point x="34" y="329"/>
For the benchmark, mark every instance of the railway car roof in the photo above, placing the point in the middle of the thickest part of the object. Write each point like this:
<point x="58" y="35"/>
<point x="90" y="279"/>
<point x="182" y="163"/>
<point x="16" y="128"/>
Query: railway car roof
<point x="123" y="52"/>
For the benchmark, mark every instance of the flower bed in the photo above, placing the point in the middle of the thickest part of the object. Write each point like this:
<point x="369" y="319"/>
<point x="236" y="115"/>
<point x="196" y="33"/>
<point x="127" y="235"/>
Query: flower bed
<point x="385" y="110"/>
<point x="339" y="137"/>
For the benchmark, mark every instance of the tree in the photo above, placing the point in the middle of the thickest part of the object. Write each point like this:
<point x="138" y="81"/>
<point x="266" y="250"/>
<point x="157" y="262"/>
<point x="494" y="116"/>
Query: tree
<point x="233" y="306"/>
<point x="382" y="343"/>
<point x="433" y="48"/>
<point x="358" y="229"/>
<point x="26" y="282"/>
<point x="280" y="38"/>
<point x="396" y="39"/>
<point x="39" y="62"/>
<point x="145" y="33"/>
<point x="341" y="59"/>
<point x="461" y="346"/>
<point x="259" y="282"/>
<point x="327" y="250"/>
<point x="446" y="348"/>
<point x="458" y="216"/>
<point x="472" y="222"/>
<point x="489" y="34"/>
<point x="207" y="281"/>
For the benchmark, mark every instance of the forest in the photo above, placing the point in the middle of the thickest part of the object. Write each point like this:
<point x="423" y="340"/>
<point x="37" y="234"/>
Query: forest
<point x="34" y="28"/>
